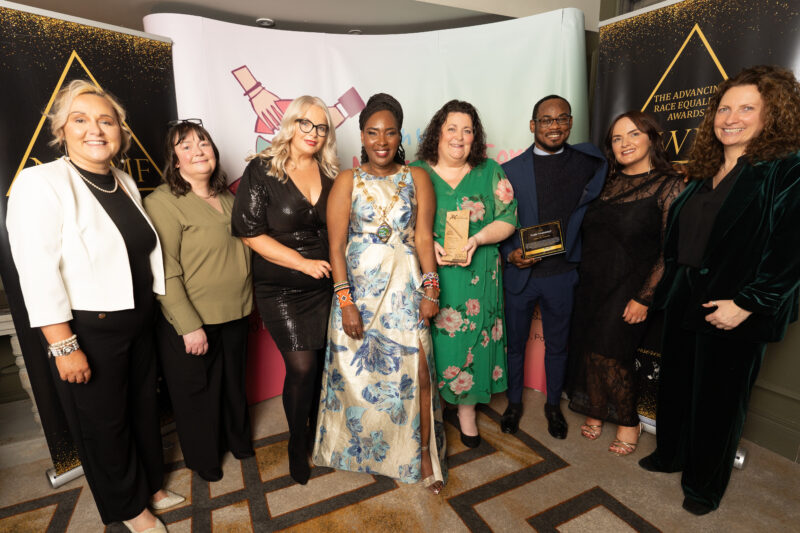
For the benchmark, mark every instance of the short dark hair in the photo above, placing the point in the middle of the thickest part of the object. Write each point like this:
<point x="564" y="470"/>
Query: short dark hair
<point x="647" y="124"/>
<point x="383" y="102"/>
<point x="546" y="98"/>
<point x="172" y="175"/>
<point x="429" y="148"/>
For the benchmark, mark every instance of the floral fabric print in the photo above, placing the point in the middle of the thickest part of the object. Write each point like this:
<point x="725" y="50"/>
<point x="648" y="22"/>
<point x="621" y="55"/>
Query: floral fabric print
<point x="369" y="412"/>
<point x="468" y="333"/>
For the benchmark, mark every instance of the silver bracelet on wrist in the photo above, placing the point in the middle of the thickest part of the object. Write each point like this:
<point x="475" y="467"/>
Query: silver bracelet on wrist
<point x="64" y="347"/>
<point x="434" y="300"/>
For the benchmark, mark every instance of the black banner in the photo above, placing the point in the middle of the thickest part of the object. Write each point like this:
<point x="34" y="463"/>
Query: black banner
<point x="38" y="55"/>
<point x="668" y="61"/>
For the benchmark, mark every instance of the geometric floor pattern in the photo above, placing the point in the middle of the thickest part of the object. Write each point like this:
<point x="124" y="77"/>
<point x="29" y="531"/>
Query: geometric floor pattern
<point x="264" y="498"/>
<point x="509" y="483"/>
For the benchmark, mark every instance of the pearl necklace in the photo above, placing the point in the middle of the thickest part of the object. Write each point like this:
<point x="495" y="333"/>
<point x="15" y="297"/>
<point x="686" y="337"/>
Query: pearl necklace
<point x="89" y="182"/>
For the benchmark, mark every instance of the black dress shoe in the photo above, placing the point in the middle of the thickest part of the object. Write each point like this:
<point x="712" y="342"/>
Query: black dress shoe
<point x="470" y="441"/>
<point x="246" y="454"/>
<point x="556" y="423"/>
<point x="696" y="508"/>
<point x="211" y="474"/>
<point x="650" y="463"/>
<point x="510" y="421"/>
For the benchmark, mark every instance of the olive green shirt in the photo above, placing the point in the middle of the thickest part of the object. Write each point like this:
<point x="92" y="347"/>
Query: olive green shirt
<point x="206" y="269"/>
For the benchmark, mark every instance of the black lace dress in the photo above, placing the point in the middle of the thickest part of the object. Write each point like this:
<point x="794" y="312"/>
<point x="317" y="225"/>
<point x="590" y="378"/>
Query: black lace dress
<point x="622" y="260"/>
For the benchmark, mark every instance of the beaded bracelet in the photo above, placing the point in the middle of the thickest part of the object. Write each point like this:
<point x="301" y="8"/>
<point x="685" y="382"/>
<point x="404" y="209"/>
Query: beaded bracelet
<point x="341" y="285"/>
<point x="434" y="300"/>
<point x="344" y="298"/>
<point x="430" y="275"/>
<point x="430" y="279"/>
<point x="63" y="347"/>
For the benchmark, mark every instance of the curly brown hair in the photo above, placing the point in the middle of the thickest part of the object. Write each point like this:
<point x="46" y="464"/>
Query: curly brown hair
<point x="429" y="148"/>
<point x="172" y="175"/>
<point x="647" y="124"/>
<point x="780" y="137"/>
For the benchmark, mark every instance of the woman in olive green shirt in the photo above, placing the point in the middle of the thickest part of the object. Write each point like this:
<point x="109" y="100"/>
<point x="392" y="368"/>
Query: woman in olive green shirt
<point x="202" y="335"/>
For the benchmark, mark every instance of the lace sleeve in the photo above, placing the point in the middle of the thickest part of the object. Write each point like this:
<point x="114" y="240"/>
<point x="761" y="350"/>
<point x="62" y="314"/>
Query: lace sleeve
<point x="670" y="188"/>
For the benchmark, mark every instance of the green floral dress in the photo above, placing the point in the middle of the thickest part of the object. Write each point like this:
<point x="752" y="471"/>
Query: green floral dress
<point x="469" y="342"/>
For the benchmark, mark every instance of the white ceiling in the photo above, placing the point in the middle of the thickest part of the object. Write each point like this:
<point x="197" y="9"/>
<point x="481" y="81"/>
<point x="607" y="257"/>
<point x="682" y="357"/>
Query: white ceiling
<point x="332" y="16"/>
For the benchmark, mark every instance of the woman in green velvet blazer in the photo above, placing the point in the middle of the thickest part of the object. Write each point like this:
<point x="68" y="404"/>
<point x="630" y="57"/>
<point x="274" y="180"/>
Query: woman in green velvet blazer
<point x="732" y="270"/>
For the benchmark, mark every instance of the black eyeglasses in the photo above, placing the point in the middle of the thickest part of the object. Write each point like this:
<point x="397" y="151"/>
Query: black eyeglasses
<point x="306" y="126"/>
<point x="196" y="121"/>
<point x="546" y="122"/>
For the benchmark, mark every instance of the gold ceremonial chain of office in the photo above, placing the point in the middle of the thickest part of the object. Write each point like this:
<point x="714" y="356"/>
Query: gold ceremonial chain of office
<point x="384" y="229"/>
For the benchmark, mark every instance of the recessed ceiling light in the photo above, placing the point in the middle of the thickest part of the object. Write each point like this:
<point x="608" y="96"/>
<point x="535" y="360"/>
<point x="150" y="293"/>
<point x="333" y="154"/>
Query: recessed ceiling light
<point x="354" y="32"/>
<point x="265" y="22"/>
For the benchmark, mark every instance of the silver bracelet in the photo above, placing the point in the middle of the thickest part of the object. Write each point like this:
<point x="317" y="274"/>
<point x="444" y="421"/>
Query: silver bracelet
<point x="434" y="300"/>
<point x="65" y="347"/>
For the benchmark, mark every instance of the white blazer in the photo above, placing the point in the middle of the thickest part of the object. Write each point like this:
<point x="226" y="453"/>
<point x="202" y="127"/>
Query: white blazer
<point x="68" y="252"/>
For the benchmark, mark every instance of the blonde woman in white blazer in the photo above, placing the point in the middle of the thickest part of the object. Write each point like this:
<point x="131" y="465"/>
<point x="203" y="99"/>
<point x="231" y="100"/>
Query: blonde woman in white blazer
<point x="89" y="263"/>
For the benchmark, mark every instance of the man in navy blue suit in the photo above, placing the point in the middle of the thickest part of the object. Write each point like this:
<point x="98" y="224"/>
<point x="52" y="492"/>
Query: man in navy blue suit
<point x="552" y="180"/>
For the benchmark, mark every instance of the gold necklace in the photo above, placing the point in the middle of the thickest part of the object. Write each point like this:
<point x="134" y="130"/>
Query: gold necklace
<point x="384" y="231"/>
<point x="84" y="178"/>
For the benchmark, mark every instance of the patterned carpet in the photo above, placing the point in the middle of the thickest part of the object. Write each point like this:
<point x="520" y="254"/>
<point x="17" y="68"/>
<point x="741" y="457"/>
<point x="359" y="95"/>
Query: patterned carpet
<point x="508" y="483"/>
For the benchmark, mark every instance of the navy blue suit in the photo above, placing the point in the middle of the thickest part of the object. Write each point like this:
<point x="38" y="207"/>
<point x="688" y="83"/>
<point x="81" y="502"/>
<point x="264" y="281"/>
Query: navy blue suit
<point x="554" y="294"/>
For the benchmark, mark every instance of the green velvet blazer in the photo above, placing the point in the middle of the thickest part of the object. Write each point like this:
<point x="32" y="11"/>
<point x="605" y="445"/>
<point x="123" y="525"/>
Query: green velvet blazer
<point x="752" y="256"/>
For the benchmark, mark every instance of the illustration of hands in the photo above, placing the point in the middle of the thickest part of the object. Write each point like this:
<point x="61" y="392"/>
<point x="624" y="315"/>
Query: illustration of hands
<point x="269" y="108"/>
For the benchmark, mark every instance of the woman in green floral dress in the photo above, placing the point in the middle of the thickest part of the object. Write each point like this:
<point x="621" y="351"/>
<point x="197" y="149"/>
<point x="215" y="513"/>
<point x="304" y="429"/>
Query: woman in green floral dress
<point x="468" y="335"/>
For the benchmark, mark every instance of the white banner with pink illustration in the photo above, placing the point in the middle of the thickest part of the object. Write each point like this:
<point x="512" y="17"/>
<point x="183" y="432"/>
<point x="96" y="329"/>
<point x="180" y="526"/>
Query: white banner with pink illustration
<point x="239" y="80"/>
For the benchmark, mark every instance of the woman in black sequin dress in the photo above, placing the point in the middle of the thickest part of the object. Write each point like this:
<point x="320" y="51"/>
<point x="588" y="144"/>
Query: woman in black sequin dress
<point x="279" y="212"/>
<point x="622" y="262"/>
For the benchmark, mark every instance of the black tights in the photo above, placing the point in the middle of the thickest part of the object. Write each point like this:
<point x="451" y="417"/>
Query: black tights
<point x="301" y="390"/>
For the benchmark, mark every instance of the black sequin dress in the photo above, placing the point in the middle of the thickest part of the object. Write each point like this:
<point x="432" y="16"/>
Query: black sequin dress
<point x="622" y="259"/>
<point x="293" y="305"/>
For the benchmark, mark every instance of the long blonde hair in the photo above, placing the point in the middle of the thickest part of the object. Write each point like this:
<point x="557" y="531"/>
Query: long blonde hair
<point x="277" y="154"/>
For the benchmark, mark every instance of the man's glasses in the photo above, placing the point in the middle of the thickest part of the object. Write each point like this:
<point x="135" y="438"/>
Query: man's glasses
<point x="196" y="121"/>
<point x="547" y="121"/>
<point x="306" y="126"/>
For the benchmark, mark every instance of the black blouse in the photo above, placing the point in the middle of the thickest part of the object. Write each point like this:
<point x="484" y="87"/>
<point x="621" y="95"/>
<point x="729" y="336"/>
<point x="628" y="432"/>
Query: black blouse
<point x="265" y="205"/>
<point x="139" y="237"/>
<point x="698" y="215"/>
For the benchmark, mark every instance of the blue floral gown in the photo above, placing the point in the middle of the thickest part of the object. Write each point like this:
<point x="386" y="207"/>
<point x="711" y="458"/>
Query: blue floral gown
<point x="369" y="413"/>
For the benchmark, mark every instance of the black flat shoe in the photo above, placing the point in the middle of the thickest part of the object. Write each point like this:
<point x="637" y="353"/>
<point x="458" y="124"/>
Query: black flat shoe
<point x="510" y="421"/>
<point x="556" y="423"/>
<point x="651" y="464"/>
<point x="245" y="454"/>
<point x="210" y="475"/>
<point x="695" y="507"/>
<point x="470" y="441"/>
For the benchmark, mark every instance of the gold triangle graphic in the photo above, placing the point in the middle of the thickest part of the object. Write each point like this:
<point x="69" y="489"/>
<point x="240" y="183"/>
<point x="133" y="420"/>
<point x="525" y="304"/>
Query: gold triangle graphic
<point x="73" y="57"/>
<point x="695" y="29"/>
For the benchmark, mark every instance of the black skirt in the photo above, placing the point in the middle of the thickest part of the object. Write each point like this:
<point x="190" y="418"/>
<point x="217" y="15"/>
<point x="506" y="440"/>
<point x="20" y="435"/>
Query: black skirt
<point x="293" y="306"/>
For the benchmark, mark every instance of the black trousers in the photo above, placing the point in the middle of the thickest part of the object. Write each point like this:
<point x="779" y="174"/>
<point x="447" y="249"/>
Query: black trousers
<point x="704" y="388"/>
<point x="208" y="392"/>
<point x="114" y="418"/>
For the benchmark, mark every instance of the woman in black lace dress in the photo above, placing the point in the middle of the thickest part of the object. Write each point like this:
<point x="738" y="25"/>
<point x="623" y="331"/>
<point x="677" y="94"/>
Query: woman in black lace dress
<point x="621" y="265"/>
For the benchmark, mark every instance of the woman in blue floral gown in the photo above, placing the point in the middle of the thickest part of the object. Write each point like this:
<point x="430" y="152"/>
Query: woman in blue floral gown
<point x="377" y="413"/>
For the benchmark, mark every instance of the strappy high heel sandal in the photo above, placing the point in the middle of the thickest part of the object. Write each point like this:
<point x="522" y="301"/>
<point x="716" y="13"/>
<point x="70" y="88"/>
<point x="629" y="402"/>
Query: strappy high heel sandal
<point x="434" y="485"/>
<point x="591" y="431"/>
<point x="621" y="448"/>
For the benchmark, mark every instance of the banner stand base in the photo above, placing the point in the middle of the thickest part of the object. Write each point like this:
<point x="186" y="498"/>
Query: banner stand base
<point x="57" y="480"/>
